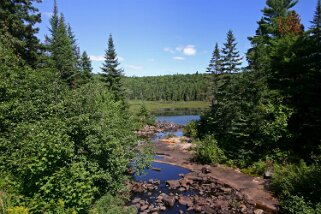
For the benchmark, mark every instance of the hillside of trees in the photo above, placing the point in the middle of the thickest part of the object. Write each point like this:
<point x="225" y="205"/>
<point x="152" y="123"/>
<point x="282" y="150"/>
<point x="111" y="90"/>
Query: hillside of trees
<point x="266" y="119"/>
<point x="179" y="87"/>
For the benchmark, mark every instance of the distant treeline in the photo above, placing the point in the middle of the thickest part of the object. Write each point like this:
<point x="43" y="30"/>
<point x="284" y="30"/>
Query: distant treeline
<point x="188" y="87"/>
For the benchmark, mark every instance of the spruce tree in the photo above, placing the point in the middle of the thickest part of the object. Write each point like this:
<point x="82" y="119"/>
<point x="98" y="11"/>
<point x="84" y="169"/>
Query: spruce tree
<point x="86" y="67"/>
<point x="17" y="25"/>
<point x="316" y="24"/>
<point x="230" y="56"/>
<point x="75" y="47"/>
<point x="111" y="73"/>
<point x="62" y="53"/>
<point x="215" y="66"/>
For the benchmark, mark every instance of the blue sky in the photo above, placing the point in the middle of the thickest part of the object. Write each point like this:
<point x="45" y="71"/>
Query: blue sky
<point x="158" y="37"/>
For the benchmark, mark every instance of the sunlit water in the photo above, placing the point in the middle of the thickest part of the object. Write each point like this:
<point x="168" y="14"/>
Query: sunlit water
<point x="166" y="171"/>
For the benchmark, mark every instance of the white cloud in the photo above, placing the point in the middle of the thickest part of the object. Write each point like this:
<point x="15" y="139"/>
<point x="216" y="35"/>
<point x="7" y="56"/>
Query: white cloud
<point x="99" y="58"/>
<point x="134" y="67"/>
<point x="189" y="50"/>
<point x="170" y="50"/>
<point x="179" y="58"/>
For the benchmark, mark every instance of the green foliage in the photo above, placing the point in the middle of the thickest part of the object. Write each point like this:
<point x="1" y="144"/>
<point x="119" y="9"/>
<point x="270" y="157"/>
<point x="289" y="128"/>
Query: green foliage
<point x="109" y="204"/>
<point x="17" y="24"/>
<point x="256" y="169"/>
<point x="68" y="146"/>
<point x="190" y="130"/>
<point x="209" y="152"/>
<point x="144" y="116"/>
<point x="178" y="87"/>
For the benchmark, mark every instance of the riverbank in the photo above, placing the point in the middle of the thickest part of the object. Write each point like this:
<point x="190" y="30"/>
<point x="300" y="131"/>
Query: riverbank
<point x="204" y="189"/>
<point x="254" y="189"/>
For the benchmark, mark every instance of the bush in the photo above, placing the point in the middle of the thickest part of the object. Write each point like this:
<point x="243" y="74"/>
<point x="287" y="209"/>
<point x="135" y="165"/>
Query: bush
<point x="208" y="151"/>
<point x="298" y="186"/>
<point x="110" y="204"/>
<point x="190" y="130"/>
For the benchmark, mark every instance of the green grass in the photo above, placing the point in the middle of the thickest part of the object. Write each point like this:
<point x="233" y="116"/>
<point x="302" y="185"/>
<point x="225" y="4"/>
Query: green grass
<point x="157" y="106"/>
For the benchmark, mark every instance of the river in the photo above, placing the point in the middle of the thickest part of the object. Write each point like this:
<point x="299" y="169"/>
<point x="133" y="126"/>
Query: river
<point x="163" y="171"/>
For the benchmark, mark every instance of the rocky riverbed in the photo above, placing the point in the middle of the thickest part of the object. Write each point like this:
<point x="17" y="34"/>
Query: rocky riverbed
<point x="199" y="189"/>
<point x="195" y="192"/>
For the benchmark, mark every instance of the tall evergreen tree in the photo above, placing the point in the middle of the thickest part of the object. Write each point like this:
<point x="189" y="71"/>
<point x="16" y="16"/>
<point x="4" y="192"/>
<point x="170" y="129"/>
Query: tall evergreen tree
<point x="215" y="66"/>
<point x="316" y="23"/>
<point x="75" y="47"/>
<point x="230" y="55"/>
<point x="86" y="67"/>
<point x="62" y="53"/>
<point x="17" y="24"/>
<point x="111" y="73"/>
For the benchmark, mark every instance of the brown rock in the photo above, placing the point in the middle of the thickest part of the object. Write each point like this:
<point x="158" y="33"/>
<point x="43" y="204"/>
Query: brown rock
<point x="169" y="200"/>
<point x="258" y="211"/>
<point x="208" y="210"/>
<point x="184" y="200"/>
<point x="135" y="200"/>
<point x="142" y="208"/>
<point x="173" y="184"/>
<point x="206" y="169"/>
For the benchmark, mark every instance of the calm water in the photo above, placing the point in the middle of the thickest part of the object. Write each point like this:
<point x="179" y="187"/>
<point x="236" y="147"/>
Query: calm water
<point x="182" y="120"/>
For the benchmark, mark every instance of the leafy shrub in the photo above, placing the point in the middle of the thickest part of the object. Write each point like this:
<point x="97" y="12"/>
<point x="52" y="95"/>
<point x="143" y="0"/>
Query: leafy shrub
<point x="110" y="204"/>
<point x="209" y="152"/>
<point x="190" y="130"/>
<point x="299" y="187"/>
<point x="256" y="169"/>
<point x="65" y="147"/>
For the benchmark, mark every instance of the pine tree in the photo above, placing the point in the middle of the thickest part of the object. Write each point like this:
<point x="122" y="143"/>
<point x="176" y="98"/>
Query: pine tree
<point x="17" y="24"/>
<point x="111" y="73"/>
<point x="316" y="24"/>
<point x="230" y="58"/>
<point x="75" y="47"/>
<point x="62" y="53"/>
<point x="86" y="67"/>
<point x="215" y="66"/>
<point x="274" y="11"/>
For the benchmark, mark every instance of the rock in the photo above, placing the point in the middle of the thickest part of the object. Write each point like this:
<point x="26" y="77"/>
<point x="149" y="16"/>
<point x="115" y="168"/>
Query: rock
<point x="206" y="169"/>
<point x="268" y="174"/>
<point x="181" y="189"/>
<point x="243" y="208"/>
<point x="138" y="187"/>
<point x="208" y="210"/>
<point x="142" y="208"/>
<point x="226" y="190"/>
<point x="187" y="201"/>
<point x="169" y="201"/>
<point x="221" y="204"/>
<point x="173" y="184"/>
<point x="162" y="208"/>
<point x="197" y="208"/>
<point x="135" y="200"/>
<point x="258" y="211"/>
<point x="156" y="169"/>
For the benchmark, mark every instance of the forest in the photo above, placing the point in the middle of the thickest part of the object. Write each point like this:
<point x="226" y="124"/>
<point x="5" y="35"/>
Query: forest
<point x="179" y="87"/>
<point x="67" y="137"/>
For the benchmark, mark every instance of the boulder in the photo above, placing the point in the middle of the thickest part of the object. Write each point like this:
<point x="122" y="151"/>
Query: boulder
<point x="169" y="201"/>
<point x="173" y="184"/>
<point x="184" y="200"/>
